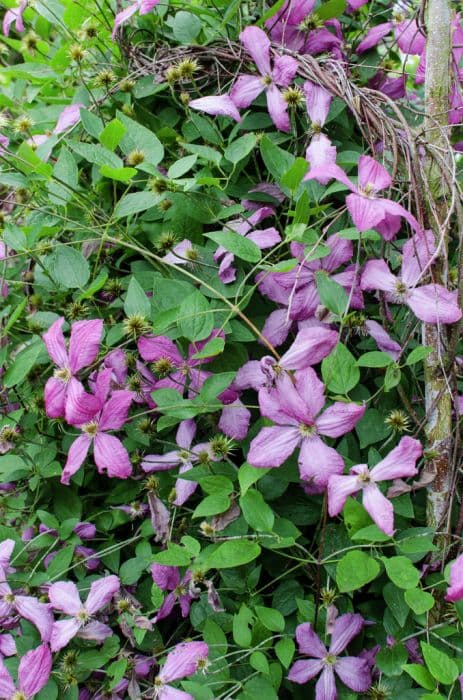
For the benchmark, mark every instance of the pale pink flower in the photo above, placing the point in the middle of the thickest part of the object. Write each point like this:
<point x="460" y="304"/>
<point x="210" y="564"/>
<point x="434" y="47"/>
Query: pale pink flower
<point x="183" y="661"/>
<point x="140" y="6"/>
<point x="33" y="673"/>
<point x="15" y="14"/>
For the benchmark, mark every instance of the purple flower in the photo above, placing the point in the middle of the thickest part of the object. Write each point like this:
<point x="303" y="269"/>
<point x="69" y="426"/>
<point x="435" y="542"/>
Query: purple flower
<point x="291" y="26"/>
<point x="185" y="457"/>
<point x="408" y="35"/>
<point x="25" y="606"/>
<point x="183" y="661"/>
<point x="84" y="346"/>
<point x="294" y="406"/>
<point x="455" y="590"/>
<point x="65" y="598"/>
<point x="217" y="106"/>
<point x="7" y="645"/>
<point x="95" y="414"/>
<point x="140" y="6"/>
<point x="33" y="673"/>
<point x="4" y="143"/>
<point x="365" y="207"/>
<point x="167" y="578"/>
<point x="353" y="671"/>
<point x="400" y="462"/>
<point x="15" y="14"/>
<point x="248" y="87"/>
<point x="318" y="102"/>
<point x="383" y="339"/>
<point x="69" y="117"/>
<point x="431" y="303"/>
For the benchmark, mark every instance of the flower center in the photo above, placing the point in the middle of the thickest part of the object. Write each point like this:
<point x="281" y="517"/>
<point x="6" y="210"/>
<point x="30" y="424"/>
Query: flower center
<point x="82" y="615"/>
<point x="330" y="659"/>
<point x="9" y="598"/>
<point x="365" y="478"/>
<point x="63" y="374"/>
<point x="307" y="430"/>
<point x="91" y="428"/>
<point x="267" y="80"/>
<point x="400" y="291"/>
<point x="19" y="696"/>
<point x="180" y="590"/>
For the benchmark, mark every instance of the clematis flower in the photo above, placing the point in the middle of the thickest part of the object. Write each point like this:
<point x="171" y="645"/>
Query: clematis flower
<point x="140" y="6"/>
<point x="383" y="339"/>
<point x="15" y="14"/>
<point x="353" y="671"/>
<point x="185" y="457"/>
<point x="65" y="598"/>
<point x="408" y="36"/>
<point x="295" y="409"/>
<point x="248" y="87"/>
<point x="455" y="590"/>
<point x="183" y="661"/>
<point x="167" y="578"/>
<point x="431" y="303"/>
<point x="7" y="645"/>
<point x="84" y="346"/>
<point x="297" y="26"/>
<point x="400" y="462"/>
<point x="68" y="117"/>
<point x="25" y="606"/>
<point x="95" y="414"/>
<point x="366" y="208"/>
<point x="33" y="673"/>
<point x="263" y="238"/>
<point x="4" y="143"/>
<point x="217" y="106"/>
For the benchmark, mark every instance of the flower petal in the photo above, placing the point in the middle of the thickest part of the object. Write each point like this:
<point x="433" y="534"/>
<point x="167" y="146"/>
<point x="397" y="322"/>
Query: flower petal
<point x="183" y="487"/>
<point x="432" y="303"/>
<point x="379" y="508"/>
<point x="84" y="344"/>
<point x="160" y="463"/>
<point x="122" y="17"/>
<point x="373" y="174"/>
<point x="318" y="101"/>
<point x="321" y="153"/>
<point x="330" y="171"/>
<point x="383" y="339"/>
<point x="284" y="70"/>
<point x="68" y="117"/>
<point x="277" y="326"/>
<point x="339" y="488"/>
<point x="257" y="44"/>
<point x="374" y="36"/>
<point x="264" y="238"/>
<point x="34" y="670"/>
<point x="346" y="627"/>
<point x="234" y="420"/>
<point x="400" y="462"/>
<point x="38" y="613"/>
<point x="455" y="590"/>
<point x="326" y="685"/>
<point x="111" y="456"/>
<point x="55" y="343"/>
<point x="339" y="419"/>
<point x="317" y="463"/>
<point x="183" y="661"/>
<point x="154" y="348"/>
<point x="81" y="407"/>
<point x="354" y="673"/>
<point x="366" y="212"/>
<point x="309" y="642"/>
<point x="217" y="106"/>
<point x="115" y="410"/>
<point x="65" y="597"/>
<point x="278" y="108"/>
<point x="245" y="90"/>
<point x="377" y="275"/>
<point x="303" y="670"/>
<point x="165" y="577"/>
<point x="272" y="446"/>
<point x="55" y="397"/>
<point x="7" y="686"/>
<point x="101" y="593"/>
<point x="170" y="693"/>
<point x="311" y="390"/>
<point x="76" y="456"/>
<point x="310" y="347"/>
<point x="96" y="631"/>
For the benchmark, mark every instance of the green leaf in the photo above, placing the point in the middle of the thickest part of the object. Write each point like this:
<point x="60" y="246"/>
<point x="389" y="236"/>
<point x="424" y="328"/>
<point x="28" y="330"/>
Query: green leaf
<point x="138" y="137"/>
<point x="242" y="620"/>
<point x="392" y="377"/>
<point x="112" y="133"/>
<point x="276" y="160"/>
<point x="374" y="359"/>
<point x="92" y="124"/>
<point x="441" y="666"/>
<point x="181" y="166"/>
<point x="259" y="662"/>
<point x="272" y="619"/>
<point x="330" y="9"/>
<point x="401" y="572"/>
<point x="27" y="161"/>
<point x="92" y="153"/>
<point x="216" y="484"/>
<point x="395" y="600"/>
<point x="284" y="649"/>
<point x="211" y="349"/>
<point x="212" y="505"/>
<point x="371" y="428"/>
<point x="240" y="148"/>
<point x="418" y="355"/>
<point x="136" y="301"/>
<point x="354" y="570"/>
<point x="256" y="511"/>
<point x="119" y="174"/>
<point x="248" y="475"/>
<point x="215" y="385"/>
<point x="134" y="203"/>
<point x="390" y="660"/>
<point x="419" y="601"/>
<point x="332" y="295"/>
<point x="232" y="553"/>
<point x="339" y="370"/>
<point x="240" y="246"/>
<point x="292" y="178"/>
<point x="66" y="171"/>
<point x="69" y="268"/>
<point x="186" y="27"/>
<point x="174" y="555"/>
<point x="195" y="318"/>
<point x="420" y="675"/>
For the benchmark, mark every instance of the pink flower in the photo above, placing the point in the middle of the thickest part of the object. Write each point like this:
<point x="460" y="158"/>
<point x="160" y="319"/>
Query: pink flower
<point x="431" y="303"/>
<point x="4" y="143"/>
<point x="352" y="670"/>
<point x="7" y="645"/>
<point x="14" y="15"/>
<point x="84" y="346"/>
<point x="140" y="6"/>
<point x="185" y="457"/>
<point x="217" y="106"/>
<point x="95" y="414"/>
<point x="65" y="598"/>
<point x="68" y="117"/>
<point x="183" y="661"/>
<point x="167" y="578"/>
<point x="400" y="462"/>
<point x="455" y="590"/>
<point x="408" y="35"/>
<point x="248" y="87"/>
<point x="291" y="26"/>
<point x="33" y="674"/>
<point x="365" y="207"/>
<point x="294" y="407"/>
<point x="383" y="339"/>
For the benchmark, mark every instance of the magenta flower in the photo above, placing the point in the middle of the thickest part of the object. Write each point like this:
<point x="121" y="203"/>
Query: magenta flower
<point x="353" y="671"/>
<point x="185" y="457"/>
<point x="408" y="35"/>
<point x="248" y="87"/>
<point x="7" y="645"/>
<point x="167" y="578"/>
<point x="400" y="462"/>
<point x="65" y="598"/>
<point x="366" y="208"/>
<point x="33" y="673"/>
<point x="25" y="606"/>
<point x="293" y="24"/>
<point x="263" y="238"/>
<point x="95" y="414"/>
<point x="140" y="6"/>
<point x="217" y="106"/>
<point x="383" y="340"/>
<point x="295" y="408"/>
<point x="431" y="303"/>
<point x="15" y="14"/>
<point x="455" y="590"/>
<point x="183" y="661"/>
<point x="84" y="346"/>
<point x="69" y="117"/>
